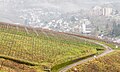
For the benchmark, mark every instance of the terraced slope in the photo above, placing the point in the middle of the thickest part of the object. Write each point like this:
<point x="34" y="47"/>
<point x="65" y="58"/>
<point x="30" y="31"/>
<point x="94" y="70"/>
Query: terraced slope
<point x="42" y="47"/>
<point x="108" y="63"/>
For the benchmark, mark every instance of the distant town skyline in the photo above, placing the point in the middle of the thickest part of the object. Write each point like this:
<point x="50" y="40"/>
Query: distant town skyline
<point x="63" y="5"/>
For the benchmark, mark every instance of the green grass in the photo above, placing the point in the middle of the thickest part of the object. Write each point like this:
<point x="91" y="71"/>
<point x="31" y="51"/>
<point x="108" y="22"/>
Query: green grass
<point x="49" y="49"/>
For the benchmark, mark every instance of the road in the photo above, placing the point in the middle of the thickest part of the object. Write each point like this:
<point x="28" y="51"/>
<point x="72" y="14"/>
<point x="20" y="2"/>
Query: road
<point x="107" y="51"/>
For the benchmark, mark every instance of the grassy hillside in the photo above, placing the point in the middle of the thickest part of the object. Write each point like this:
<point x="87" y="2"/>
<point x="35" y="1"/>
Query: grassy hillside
<point x="108" y="63"/>
<point x="42" y="47"/>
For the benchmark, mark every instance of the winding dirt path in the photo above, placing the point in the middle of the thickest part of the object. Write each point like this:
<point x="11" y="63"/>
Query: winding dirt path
<point x="107" y="51"/>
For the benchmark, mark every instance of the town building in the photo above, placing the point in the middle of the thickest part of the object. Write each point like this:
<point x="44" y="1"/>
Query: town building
<point x="107" y="11"/>
<point x="85" y="26"/>
<point x="102" y="11"/>
<point x="97" y="10"/>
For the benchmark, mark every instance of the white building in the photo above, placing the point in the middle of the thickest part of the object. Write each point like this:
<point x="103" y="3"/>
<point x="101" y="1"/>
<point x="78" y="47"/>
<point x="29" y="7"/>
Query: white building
<point x="117" y="41"/>
<point x="107" y="11"/>
<point x="85" y="24"/>
<point x="85" y="29"/>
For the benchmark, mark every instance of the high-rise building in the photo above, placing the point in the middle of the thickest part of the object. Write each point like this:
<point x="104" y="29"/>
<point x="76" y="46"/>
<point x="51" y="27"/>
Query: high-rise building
<point x="107" y="11"/>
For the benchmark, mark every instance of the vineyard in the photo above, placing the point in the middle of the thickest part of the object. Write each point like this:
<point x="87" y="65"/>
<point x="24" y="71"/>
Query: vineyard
<point x="108" y="63"/>
<point x="43" y="48"/>
<point x="11" y="66"/>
